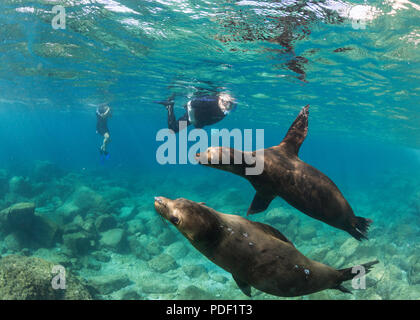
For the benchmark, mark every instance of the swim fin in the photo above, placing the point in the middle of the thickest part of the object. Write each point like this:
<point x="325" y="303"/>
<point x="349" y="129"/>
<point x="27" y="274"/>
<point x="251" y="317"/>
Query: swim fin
<point x="168" y="102"/>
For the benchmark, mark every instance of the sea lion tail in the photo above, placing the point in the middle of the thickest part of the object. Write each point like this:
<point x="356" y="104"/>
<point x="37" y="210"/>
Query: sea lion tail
<point x="349" y="273"/>
<point x="361" y="227"/>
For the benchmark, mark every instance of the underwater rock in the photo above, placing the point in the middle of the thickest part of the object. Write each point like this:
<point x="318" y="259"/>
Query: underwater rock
<point x="12" y="243"/>
<point x="349" y="247"/>
<point x="154" y="226"/>
<point x="406" y="230"/>
<point x="116" y="193"/>
<point x="101" y="256"/>
<point x="166" y="237"/>
<point x="150" y="245"/>
<point x="89" y="225"/>
<point x="194" y="293"/>
<point x="177" y="250"/>
<point x="109" y="283"/>
<point x="46" y="171"/>
<point x="231" y="197"/>
<point x="128" y="213"/>
<point x="72" y="228"/>
<point x="112" y="239"/>
<point x="219" y="278"/>
<point x="20" y="186"/>
<point x="129" y="294"/>
<point x="163" y="263"/>
<point x="158" y="285"/>
<point x="414" y="273"/>
<point x="78" y="242"/>
<point x="20" y="216"/>
<point x="278" y="216"/>
<point x="45" y="232"/>
<point x="319" y="254"/>
<point x="31" y="229"/>
<point x="105" y="222"/>
<point x="137" y="248"/>
<point x="307" y="232"/>
<point x="87" y="199"/>
<point x="194" y="271"/>
<point x="30" y="278"/>
<point x="53" y="256"/>
<point x="67" y="212"/>
<point x="135" y="226"/>
<point x="4" y="183"/>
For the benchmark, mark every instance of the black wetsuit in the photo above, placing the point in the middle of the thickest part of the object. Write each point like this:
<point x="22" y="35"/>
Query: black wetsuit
<point x="101" y="122"/>
<point x="201" y="111"/>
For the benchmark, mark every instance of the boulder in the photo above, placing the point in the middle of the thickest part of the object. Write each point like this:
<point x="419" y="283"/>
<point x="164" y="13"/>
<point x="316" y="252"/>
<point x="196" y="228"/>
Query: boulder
<point x="116" y="193"/>
<point x="79" y="243"/>
<point x="166" y="237"/>
<point x="113" y="239"/>
<point x="163" y="263"/>
<point x="109" y="283"/>
<point x="31" y="229"/>
<point x="87" y="199"/>
<point x="30" y="278"/>
<point x="128" y="213"/>
<point x="414" y="273"/>
<point x="135" y="226"/>
<point x="130" y="294"/>
<point x="158" y="286"/>
<point x="45" y="233"/>
<point x="105" y="222"/>
<point x="20" y="216"/>
<point x="101" y="256"/>
<point x="194" y="293"/>
<point x="67" y="212"/>
<point x="177" y="250"/>
<point x="46" y="171"/>
<point x="12" y="243"/>
<point x="4" y="183"/>
<point x="349" y="247"/>
<point x="20" y="186"/>
<point x="278" y="216"/>
<point x="307" y="232"/>
<point x="194" y="271"/>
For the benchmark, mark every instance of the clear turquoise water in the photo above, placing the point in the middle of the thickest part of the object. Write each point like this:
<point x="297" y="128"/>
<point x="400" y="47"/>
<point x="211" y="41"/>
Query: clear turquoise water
<point x="360" y="78"/>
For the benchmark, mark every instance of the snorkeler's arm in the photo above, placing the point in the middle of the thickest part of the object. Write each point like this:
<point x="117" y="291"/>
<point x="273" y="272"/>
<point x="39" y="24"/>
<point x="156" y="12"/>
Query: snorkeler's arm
<point x="106" y="114"/>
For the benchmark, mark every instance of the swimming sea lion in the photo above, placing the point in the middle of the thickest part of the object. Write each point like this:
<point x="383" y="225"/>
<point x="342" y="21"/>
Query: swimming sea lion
<point x="256" y="254"/>
<point x="285" y="175"/>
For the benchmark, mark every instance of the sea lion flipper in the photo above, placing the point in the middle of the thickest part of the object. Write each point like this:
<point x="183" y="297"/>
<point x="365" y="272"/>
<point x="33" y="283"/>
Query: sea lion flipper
<point x="260" y="203"/>
<point x="245" y="287"/>
<point x="297" y="132"/>
<point x="274" y="232"/>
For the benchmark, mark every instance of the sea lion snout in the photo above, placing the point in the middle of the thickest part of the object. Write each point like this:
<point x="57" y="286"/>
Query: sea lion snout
<point x="158" y="200"/>
<point x="214" y="156"/>
<point x="205" y="157"/>
<point x="161" y="206"/>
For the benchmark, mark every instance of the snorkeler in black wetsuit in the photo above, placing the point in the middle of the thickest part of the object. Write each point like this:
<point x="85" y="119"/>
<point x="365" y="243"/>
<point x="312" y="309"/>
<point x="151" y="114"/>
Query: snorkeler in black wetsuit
<point x="103" y="112"/>
<point x="200" y="111"/>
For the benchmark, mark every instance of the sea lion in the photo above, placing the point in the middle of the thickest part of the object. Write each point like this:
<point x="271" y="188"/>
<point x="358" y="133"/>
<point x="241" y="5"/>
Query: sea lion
<point x="285" y="175"/>
<point x="256" y="254"/>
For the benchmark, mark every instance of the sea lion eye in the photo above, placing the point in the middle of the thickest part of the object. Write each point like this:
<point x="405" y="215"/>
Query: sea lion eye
<point x="174" y="220"/>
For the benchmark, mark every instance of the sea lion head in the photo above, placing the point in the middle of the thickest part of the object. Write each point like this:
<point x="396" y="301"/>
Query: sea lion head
<point x="194" y="220"/>
<point x="222" y="158"/>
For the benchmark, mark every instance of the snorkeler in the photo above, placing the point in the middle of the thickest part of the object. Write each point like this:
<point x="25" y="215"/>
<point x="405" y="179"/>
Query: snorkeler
<point x="103" y="112"/>
<point x="201" y="110"/>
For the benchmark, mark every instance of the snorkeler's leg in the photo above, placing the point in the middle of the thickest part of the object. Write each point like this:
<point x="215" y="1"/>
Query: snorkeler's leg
<point x="173" y="124"/>
<point x="105" y="142"/>
<point x="168" y="102"/>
